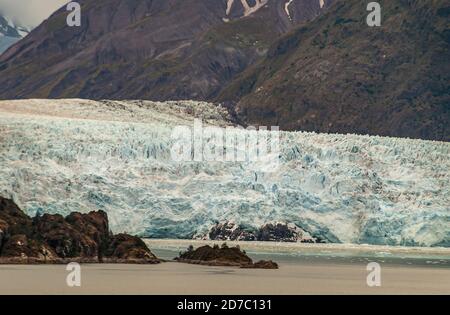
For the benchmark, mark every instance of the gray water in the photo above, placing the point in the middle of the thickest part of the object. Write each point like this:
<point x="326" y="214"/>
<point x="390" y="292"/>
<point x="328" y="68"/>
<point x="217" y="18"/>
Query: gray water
<point x="297" y="253"/>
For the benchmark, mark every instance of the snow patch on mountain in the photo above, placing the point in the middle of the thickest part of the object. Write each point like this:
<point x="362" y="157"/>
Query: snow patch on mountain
<point x="10" y="33"/>
<point x="76" y="155"/>
<point x="248" y="9"/>
<point x="286" y="8"/>
<point x="257" y="5"/>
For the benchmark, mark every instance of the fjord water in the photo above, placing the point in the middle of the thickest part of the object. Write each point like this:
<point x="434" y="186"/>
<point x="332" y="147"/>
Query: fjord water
<point x="303" y="269"/>
<point x="329" y="254"/>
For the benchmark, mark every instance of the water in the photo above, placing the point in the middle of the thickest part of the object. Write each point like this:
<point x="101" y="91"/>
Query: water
<point x="299" y="253"/>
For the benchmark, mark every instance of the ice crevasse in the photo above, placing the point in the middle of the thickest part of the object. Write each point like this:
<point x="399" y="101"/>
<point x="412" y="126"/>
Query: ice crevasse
<point x="58" y="156"/>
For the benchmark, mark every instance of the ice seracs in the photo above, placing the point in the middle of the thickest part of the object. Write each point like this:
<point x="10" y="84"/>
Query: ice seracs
<point x="60" y="156"/>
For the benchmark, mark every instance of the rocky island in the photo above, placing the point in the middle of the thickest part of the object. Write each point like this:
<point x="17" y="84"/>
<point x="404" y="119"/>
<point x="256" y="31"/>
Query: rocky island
<point x="222" y="256"/>
<point x="53" y="239"/>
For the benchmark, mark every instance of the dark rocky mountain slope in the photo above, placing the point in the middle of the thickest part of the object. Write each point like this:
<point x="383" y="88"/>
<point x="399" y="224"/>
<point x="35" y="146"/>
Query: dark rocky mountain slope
<point x="336" y="74"/>
<point x="147" y="49"/>
<point x="332" y="74"/>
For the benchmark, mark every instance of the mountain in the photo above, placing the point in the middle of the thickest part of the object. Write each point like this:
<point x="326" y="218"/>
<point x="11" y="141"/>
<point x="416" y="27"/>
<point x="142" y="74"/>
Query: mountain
<point x="10" y="33"/>
<point x="148" y="49"/>
<point x="337" y="75"/>
<point x="308" y="65"/>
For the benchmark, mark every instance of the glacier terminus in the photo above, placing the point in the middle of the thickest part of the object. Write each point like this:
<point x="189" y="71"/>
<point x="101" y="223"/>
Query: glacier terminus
<point x="58" y="156"/>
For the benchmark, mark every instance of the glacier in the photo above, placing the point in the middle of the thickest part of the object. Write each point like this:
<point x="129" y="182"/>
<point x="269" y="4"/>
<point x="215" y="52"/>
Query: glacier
<point x="6" y="42"/>
<point x="59" y="156"/>
<point x="10" y="33"/>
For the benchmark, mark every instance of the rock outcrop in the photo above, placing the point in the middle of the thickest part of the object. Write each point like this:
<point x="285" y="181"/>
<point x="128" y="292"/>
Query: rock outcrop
<point x="222" y="256"/>
<point x="262" y="264"/>
<point x="269" y="232"/>
<point x="55" y="239"/>
<point x="124" y="247"/>
<point x="66" y="240"/>
<point x="230" y="231"/>
<point x="279" y="232"/>
<point x="21" y="247"/>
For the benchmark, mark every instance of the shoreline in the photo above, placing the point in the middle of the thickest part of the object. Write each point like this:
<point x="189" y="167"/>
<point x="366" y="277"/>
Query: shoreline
<point x="308" y="248"/>
<point x="305" y="246"/>
<point x="167" y="250"/>
<point x="326" y="254"/>
<point x="311" y="270"/>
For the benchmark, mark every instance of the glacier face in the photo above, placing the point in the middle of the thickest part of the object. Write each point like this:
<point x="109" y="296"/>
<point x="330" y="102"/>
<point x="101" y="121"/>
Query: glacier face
<point x="59" y="156"/>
